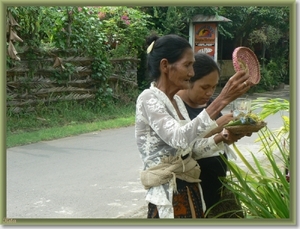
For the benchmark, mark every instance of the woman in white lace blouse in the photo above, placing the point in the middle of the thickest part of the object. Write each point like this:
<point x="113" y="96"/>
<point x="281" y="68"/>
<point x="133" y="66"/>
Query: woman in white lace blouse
<point x="166" y="136"/>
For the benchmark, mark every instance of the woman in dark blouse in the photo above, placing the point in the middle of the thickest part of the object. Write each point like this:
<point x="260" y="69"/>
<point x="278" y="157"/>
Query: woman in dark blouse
<point x="197" y="98"/>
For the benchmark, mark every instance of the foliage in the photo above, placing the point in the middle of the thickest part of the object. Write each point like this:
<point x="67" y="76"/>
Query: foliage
<point x="66" y="113"/>
<point x="30" y="21"/>
<point x="89" y="30"/>
<point x="98" y="32"/>
<point x="270" y="107"/>
<point x="80" y="29"/>
<point x="125" y="28"/>
<point x="247" y="19"/>
<point x="105" y="32"/>
<point x="267" y="80"/>
<point x="265" y="30"/>
<point x="266" y="35"/>
<point x="174" y="19"/>
<point x="273" y="74"/>
<point x="264" y="190"/>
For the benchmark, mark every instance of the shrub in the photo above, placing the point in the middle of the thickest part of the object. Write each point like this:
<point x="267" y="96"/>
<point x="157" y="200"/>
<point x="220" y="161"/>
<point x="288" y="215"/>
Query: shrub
<point x="264" y="190"/>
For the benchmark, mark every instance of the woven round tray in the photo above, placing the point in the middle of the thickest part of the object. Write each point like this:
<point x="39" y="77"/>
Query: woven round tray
<point x="244" y="58"/>
<point x="244" y="129"/>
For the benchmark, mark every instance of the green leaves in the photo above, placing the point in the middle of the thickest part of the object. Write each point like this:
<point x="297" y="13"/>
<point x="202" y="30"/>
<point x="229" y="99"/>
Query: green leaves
<point x="263" y="191"/>
<point x="263" y="188"/>
<point x="270" y="106"/>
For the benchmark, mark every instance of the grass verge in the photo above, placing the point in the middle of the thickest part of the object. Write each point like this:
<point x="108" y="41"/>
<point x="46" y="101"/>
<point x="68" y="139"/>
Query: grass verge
<point x="64" y="120"/>
<point x="66" y="131"/>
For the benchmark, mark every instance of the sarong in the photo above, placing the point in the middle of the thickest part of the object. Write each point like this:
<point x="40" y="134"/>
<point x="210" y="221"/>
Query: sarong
<point x="186" y="203"/>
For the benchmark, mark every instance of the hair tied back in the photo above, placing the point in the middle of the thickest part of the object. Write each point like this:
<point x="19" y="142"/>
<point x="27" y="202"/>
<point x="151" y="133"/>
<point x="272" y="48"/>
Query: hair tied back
<point x="150" y="47"/>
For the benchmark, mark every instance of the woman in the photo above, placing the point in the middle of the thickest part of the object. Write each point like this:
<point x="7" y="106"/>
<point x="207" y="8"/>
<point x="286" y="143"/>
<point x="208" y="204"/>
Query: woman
<point x="165" y="135"/>
<point x="197" y="98"/>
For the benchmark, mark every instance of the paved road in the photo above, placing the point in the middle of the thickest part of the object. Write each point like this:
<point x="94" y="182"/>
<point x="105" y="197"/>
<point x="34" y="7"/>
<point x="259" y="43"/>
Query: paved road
<point x="94" y="175"/>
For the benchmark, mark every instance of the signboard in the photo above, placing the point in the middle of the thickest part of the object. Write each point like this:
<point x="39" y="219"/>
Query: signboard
<point x="205" y="38"/>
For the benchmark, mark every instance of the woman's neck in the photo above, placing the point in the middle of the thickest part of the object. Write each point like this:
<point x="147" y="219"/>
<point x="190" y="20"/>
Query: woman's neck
<point x="184" y="95"/>
<point x="167" y="89"/>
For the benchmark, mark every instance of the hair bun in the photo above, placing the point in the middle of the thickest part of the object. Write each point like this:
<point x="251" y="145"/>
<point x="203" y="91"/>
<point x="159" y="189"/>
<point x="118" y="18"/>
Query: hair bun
<point x="151" y="38"/>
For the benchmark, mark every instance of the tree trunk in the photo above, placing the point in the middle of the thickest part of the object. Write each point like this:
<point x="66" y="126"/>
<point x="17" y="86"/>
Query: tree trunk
<point x="263" y="55"/>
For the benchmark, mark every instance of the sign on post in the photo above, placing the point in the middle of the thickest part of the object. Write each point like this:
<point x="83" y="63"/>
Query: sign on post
<point x="205" y="38"/>
<point x="204" y="34"/>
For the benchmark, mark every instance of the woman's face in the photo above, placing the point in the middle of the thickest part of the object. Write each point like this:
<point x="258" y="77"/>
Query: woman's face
<point x="182" y="71"/>
<point x="202" y="89"/>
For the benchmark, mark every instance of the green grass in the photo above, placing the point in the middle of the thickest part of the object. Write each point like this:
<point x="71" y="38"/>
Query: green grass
<point x="65" y="131"/>
<point x="64" y="120"/>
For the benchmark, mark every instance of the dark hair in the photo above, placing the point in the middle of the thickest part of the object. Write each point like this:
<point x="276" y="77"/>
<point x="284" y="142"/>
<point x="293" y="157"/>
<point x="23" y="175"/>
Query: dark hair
<point x="170" y="47"/>
<point x="204" y="65"/>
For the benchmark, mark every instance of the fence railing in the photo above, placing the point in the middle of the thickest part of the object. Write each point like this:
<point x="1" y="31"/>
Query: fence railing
<point x="26" y="88"/>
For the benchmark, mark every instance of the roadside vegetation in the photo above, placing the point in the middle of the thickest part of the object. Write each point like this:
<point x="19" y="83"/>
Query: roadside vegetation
<point x="65" y="119"/>
<point x="263" y="189"/>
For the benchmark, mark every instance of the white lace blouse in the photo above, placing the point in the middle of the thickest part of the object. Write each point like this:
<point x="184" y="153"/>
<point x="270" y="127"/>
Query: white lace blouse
<point x="159" y="132"/>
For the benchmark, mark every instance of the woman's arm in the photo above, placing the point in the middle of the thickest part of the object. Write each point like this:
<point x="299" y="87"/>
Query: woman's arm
<point x="206" y="147"/>
<point x="223" y="120"/>
<point x="233" y="89"/>
<point x="153" y="112"/>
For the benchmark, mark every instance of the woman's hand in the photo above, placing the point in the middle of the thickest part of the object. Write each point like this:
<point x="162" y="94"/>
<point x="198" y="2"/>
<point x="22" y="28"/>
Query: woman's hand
<point x="230" y="137"/>
<point x="223" y="120"/>
<point x="235" y="87"/>
<point x="227" y="137"/>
